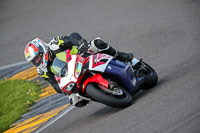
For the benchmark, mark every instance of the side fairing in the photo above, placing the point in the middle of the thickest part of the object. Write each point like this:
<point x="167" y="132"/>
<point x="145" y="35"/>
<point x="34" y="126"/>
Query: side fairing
<point x="99" y="62"/>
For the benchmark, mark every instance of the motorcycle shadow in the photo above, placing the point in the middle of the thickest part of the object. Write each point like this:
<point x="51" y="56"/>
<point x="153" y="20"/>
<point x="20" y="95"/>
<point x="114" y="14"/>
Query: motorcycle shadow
<point x="106" y="111"/>
<point x="143" y="93"/>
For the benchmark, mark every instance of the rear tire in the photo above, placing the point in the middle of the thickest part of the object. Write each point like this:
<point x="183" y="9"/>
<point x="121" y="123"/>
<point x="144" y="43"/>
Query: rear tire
<point x="101" y="96"/>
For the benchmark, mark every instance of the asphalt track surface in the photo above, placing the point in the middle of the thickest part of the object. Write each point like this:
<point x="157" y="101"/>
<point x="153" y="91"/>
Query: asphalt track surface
<point x="165" y="33"/>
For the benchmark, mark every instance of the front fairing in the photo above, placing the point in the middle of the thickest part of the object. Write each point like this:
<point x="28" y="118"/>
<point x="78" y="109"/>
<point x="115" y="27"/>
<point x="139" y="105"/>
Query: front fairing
<point x="64" y="67"/>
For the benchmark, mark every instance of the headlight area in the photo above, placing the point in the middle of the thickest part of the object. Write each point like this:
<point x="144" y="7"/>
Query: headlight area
<point x="68" y="88"/>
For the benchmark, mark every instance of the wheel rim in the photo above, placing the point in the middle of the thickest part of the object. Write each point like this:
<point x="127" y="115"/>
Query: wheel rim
<point x="115" y="91"/>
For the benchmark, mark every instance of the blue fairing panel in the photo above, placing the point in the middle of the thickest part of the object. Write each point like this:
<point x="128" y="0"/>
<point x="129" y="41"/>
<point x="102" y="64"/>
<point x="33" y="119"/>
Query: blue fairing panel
<point x="122" y="72"/>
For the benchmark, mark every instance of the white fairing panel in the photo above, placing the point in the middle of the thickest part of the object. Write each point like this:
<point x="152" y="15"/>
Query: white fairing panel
<point x="70" y="76"/>
<point x="99" y="62"/>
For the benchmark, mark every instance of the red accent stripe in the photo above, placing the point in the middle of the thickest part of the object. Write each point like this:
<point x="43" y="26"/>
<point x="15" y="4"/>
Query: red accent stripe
<point x="97" y="78"/>
<point x="70" y="92"/>
<point x="26" y="50"/>
<point x="68" y="56"/>
<point x="34" y="47"/>
<point x="46" y="56"/>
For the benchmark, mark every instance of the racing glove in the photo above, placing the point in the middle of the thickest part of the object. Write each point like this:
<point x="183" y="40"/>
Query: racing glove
<point x="59" y="44"/>
<point x="42" y="73"/>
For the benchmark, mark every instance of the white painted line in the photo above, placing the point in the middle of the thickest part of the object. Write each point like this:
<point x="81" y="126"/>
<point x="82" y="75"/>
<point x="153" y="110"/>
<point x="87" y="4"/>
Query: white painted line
<point x="69" y="108"/>
<point x="12" y="65"/>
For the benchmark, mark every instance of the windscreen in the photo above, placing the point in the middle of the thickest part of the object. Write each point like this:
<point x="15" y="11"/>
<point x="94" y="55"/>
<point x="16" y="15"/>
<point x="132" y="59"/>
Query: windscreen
<point x="59" y="67"/>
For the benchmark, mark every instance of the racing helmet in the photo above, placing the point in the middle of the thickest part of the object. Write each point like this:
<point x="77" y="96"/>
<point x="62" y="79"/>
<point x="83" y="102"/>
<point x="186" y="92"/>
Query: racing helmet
<point x="36" y="52"/>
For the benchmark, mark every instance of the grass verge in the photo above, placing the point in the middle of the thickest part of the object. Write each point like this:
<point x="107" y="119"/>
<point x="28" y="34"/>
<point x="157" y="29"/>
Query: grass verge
<point x="15" y="98"/>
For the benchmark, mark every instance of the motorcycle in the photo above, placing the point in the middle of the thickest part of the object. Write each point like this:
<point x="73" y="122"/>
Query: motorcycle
<point x="101" y="78"/>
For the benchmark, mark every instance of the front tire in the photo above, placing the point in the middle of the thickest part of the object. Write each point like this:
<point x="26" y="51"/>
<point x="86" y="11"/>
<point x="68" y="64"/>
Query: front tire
<point x="120" y="101"/>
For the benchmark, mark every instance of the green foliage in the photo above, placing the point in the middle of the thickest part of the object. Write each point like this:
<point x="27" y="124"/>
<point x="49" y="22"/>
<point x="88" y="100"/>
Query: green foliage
<point x="15" y="98"/>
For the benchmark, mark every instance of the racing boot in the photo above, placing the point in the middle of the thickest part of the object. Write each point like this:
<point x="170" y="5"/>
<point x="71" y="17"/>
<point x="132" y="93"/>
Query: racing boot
<point x="99" y="46"/>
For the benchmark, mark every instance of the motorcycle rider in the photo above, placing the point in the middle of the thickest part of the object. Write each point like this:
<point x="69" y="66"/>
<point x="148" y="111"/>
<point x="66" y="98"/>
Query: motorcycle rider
<point x="42" y="55"/>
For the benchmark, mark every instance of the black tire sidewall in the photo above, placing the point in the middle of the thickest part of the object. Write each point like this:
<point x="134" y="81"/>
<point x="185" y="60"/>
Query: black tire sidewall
<point x="100" y="96"/>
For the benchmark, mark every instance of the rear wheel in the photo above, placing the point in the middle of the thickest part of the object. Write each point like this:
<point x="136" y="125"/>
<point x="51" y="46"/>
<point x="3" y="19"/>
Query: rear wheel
<point x="117" y="97"/>
<point x="149" y="74"/>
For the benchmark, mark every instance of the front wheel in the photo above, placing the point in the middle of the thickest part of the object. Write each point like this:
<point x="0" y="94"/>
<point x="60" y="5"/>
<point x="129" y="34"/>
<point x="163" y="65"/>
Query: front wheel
<point x="120" y="98"/>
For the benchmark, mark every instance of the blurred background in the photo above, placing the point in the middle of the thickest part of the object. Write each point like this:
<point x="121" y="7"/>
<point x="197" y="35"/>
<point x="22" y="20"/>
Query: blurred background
<point x="130" y="25"/>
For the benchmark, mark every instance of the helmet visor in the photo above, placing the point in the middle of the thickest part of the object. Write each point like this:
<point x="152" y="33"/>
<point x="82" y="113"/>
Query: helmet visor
<point x="38" y="59"/>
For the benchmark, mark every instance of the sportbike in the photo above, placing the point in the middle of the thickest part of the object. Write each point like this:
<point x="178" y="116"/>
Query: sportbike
<point x="101" y="78"/>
